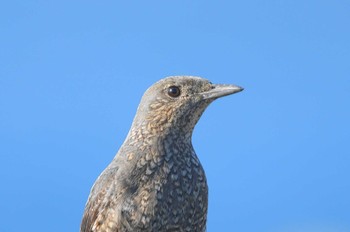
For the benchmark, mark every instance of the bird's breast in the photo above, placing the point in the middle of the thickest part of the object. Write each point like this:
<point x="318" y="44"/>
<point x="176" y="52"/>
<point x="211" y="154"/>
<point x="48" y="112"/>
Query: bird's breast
<point x="171" y="186"/>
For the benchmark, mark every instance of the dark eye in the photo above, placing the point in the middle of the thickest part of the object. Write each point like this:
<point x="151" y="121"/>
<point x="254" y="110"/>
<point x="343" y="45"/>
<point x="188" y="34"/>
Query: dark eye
<point x="174" y="91"/>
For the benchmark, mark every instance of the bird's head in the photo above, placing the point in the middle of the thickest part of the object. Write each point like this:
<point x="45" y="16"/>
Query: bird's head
<point x="176" y="103"/>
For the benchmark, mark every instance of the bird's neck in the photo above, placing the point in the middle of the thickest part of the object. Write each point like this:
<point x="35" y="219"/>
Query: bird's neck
<point x="144" y="147"/>
<point x="147" y="134"/>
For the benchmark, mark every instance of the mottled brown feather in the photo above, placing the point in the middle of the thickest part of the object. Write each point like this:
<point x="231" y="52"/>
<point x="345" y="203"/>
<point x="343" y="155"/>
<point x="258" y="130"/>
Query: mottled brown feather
<point x="156" y="182"/>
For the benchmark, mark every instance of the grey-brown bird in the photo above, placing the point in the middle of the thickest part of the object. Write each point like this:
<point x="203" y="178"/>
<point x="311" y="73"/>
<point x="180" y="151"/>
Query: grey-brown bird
<point x="156" y="183"/>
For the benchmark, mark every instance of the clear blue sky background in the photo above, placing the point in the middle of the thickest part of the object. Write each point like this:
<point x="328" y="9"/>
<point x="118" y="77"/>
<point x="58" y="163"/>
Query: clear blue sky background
<point x="277" y="155"/>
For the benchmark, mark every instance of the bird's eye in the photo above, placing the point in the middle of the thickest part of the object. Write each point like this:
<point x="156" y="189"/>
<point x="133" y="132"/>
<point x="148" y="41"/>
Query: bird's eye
<point x="174" y="91"/>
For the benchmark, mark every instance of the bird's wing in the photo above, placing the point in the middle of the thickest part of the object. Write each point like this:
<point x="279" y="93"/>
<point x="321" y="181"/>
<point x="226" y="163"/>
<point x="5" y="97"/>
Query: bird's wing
<point x="96" y="203"/>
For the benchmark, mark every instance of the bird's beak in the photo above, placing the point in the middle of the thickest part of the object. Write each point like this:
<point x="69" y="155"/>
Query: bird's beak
<point x="221" y="91"/>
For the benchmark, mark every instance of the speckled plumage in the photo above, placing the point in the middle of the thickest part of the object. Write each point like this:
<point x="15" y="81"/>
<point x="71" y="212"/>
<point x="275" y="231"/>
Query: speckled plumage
<point x="156" y="182"/>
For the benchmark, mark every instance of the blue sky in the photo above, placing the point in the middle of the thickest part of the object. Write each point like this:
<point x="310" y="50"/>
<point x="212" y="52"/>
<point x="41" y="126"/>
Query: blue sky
<point x="276" y="156"/>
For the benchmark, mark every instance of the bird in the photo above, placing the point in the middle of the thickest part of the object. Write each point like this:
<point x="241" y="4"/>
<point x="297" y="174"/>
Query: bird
<point x="156" y="183"/>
